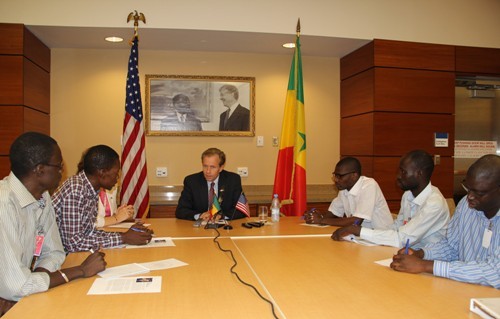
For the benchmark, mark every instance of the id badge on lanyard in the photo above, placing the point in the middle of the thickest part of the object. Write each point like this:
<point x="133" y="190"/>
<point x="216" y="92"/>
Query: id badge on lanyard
<point x="39" y="239"/>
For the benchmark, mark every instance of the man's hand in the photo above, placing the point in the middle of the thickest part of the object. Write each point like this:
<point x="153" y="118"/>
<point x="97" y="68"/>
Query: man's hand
<point x="124" y="212"/>
<point x="137" y="235"/>
<point x="411" y="263"/>
<point x="93" y="264"/>
<point x="206" y="215"/>
<point x="313" y="217"/>
<point x="340" y="233"/>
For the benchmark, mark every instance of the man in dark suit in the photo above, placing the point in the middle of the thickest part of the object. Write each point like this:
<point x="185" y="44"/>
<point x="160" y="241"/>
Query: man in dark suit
<point x="182" y="118"/>
<point x="237" y="117"/>
<point x="194" y="201"/>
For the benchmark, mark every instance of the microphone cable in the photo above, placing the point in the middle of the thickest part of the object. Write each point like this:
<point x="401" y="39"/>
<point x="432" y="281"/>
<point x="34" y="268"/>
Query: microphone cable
<point x="235" y="263"/>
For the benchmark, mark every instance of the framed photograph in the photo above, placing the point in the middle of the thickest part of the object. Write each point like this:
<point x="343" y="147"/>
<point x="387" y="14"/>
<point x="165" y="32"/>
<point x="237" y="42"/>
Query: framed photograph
<point x="193" y="105"/>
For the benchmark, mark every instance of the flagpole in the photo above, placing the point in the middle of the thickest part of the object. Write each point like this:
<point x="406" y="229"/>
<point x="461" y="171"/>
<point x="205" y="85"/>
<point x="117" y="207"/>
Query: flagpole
<point x="137" y="17"/>
<point x="298" y="27"/>
<point x="134" y="182"/>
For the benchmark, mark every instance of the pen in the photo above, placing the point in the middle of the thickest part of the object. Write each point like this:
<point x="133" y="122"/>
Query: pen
<point x="407" y="246"/>
<point x="141" y="231"/>
<point x="138" y="230"/>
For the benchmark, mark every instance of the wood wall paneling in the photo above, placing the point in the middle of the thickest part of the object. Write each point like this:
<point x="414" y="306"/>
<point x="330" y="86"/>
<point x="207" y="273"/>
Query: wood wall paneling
<point x="36" y="51"/>
<point x="357" y="61"/>
<point x="386" y="171"/>
<point x="477" y="60"/>
<point x="357" y="94"/>
<point x="4" y="166"/>
<point x="36" y="121"/>
<point x="36" y="87"/>
<point x="357" y="135"/>
<point x="397" y="133"/>
<point x="11" y="81"/>
<point x="413" y="55"/>
<point x="11" y="126"/>
<point x="11" y="39"/>
<point x="366" y="165"/>
<point x="404" y="90"/>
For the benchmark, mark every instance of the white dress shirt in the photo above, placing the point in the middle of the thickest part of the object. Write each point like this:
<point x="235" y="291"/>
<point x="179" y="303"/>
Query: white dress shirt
<point x="421" y="220"/>
<point x="364" y="200"/>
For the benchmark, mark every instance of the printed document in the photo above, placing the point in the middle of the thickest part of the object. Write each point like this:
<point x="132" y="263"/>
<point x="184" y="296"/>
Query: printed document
<point x="129" y="285"/>
<point x="155" y="242"/>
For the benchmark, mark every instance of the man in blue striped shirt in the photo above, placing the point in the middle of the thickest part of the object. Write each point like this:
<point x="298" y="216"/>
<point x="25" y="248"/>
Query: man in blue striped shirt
<point x="471" y="250"/>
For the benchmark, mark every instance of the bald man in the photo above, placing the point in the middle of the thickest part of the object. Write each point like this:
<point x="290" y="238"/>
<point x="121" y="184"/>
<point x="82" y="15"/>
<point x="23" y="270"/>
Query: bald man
<point x="470" y="252"/>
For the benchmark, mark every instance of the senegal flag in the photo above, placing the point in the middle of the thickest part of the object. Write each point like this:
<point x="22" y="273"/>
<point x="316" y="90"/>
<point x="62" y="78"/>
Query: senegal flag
<point x="215" y="207"/>
<point x="290" y="178"/>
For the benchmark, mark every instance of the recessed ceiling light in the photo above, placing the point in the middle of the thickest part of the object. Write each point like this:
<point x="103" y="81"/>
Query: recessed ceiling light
<point x="113" y="39"/>
<point x="290" y="45"/>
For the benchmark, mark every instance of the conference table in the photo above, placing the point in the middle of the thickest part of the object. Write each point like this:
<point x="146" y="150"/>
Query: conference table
<point x="299" y="268"/>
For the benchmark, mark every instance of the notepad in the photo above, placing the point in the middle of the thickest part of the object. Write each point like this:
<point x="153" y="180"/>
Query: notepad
<point x="488" y="308"/>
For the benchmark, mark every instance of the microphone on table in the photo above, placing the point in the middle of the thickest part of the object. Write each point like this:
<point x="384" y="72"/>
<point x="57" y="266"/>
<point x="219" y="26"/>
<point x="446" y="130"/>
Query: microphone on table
<point x="221" y="196"/>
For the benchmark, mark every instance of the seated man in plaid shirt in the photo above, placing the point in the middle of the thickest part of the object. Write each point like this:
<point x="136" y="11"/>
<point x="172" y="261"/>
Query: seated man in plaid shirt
<point x="75" y="203"/>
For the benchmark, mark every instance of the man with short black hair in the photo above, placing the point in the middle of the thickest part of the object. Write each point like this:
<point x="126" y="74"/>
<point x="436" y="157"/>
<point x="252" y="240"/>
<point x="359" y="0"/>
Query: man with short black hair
<point x="423" y="215"/>
<point x="470" y="252"/>
<point x="75" y="203"/>
<point x="183" y="117"/>
<point x="31" y="252"/>
<point x="359" y="201"/>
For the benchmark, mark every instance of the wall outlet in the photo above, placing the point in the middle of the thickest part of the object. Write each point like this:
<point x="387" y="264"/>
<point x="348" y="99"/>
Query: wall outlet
<point x="161" y="172"/>
<point x="243" y="171"/>
<point x="276" y="141"/>
<point x="260" y="140"/>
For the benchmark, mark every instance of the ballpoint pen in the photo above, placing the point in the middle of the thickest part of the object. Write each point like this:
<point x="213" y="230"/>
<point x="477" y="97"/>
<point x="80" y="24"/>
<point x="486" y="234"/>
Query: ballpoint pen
<point x="138" y="230"/>
<point x="407" y="246"/>
<point x="141" y="231"/>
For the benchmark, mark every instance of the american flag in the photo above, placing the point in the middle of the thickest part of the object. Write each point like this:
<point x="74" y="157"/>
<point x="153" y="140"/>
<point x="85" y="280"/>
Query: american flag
<point x="242" y="205"/>
<point x="134" y="190"/>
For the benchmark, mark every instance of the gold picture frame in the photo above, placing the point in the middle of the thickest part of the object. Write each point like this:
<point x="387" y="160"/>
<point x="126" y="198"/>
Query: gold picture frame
<point x="195" y="105"/>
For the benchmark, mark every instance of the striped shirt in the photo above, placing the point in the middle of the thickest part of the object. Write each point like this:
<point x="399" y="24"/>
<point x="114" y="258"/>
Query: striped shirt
<point x="75" y="203"/>
<point x="461" y="255"/>
<point x="22" y="218"/>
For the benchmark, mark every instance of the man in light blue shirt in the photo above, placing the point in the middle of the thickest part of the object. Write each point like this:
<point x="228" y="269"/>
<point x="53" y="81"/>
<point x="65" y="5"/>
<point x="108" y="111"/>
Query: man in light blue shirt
<point x="471" y="250"/>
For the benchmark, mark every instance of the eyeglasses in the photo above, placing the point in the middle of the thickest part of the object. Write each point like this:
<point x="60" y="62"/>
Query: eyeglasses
<point x="478" y="194"/>
<point x="339" y="176"/>
<point x="59" y="166"/>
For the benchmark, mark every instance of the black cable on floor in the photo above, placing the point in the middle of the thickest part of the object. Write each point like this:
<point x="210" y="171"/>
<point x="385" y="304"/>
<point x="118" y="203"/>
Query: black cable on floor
<point x="237" y="276"/>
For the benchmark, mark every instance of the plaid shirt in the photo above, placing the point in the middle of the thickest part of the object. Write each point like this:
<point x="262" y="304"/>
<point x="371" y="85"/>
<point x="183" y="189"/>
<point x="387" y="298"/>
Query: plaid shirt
<point x="75" y="203"/>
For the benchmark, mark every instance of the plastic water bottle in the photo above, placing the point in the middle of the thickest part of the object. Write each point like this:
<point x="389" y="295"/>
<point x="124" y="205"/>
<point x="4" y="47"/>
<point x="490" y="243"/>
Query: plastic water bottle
<point x="275" y="209"/>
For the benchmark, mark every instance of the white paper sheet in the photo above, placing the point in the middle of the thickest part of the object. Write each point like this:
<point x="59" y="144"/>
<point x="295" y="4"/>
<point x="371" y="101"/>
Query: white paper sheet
<point x="126" y="225"/>
<point x="315" y="225"/>
<point x="384" y="262"/>
<point x="123" y="270"/>
<point x="357" y="240"/>
<point x="164" y="264"/>
<point x="129" y="285"/>
<point x="155" y="242"/>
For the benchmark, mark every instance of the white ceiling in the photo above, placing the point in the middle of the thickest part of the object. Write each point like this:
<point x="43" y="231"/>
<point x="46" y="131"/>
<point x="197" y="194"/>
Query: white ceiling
<point x="194" y="40"/>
